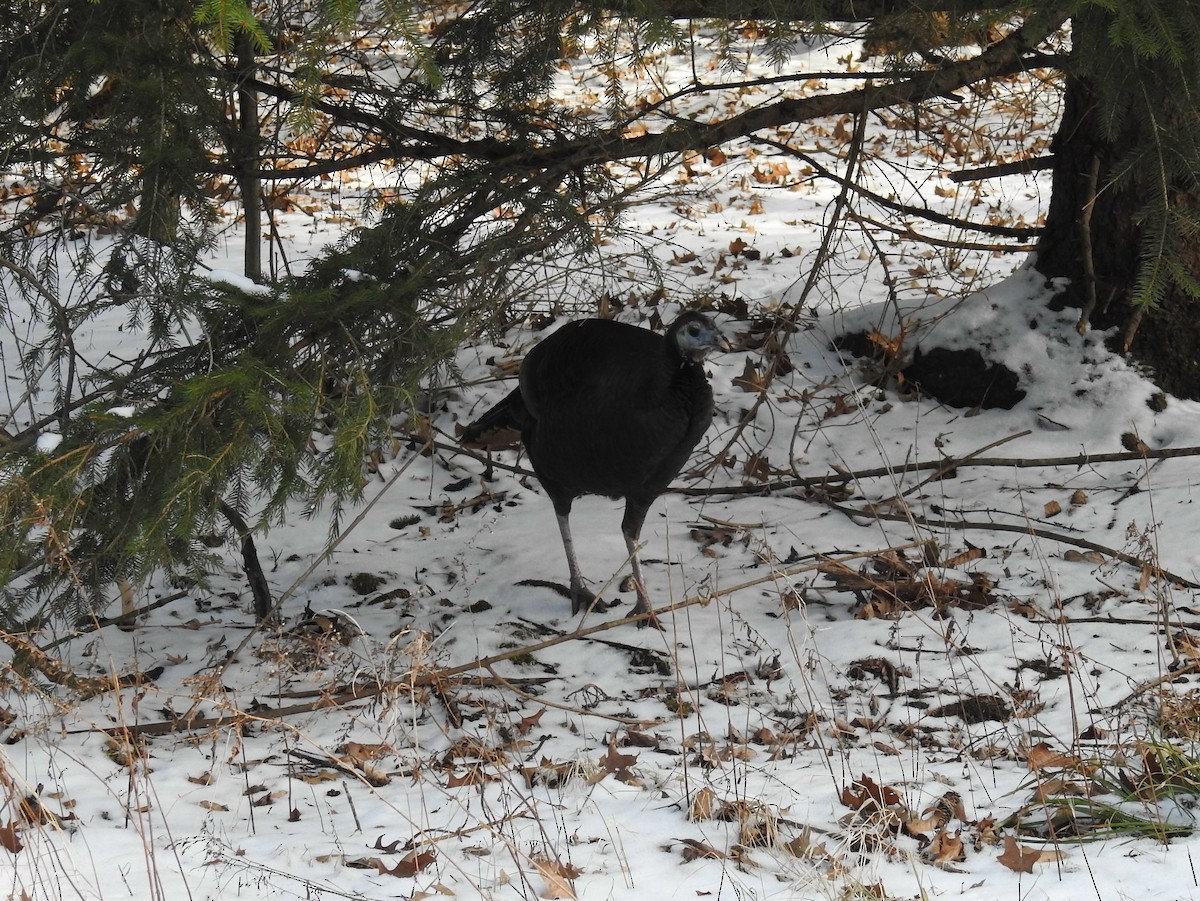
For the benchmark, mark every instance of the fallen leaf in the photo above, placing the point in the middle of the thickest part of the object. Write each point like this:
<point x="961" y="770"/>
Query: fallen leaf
<point x="696" y="850"/>
<point x="1041" y="756"/>
<point x="616" y="764"/>
<point x="1056" y="787"/>
<point x="557" y="876"/>
<point x="548" y="773"/>
<point x="765" y="736"/>
<point x="758" y="467"/>
<point x="801" y="846"/>
<point x="1131" y="442"/>
<point x="971" y="553"/>
<point x="946" y="848"/>
<point x="530" y="721"/>
<point x="1027" y="610"/>
<point x="891" y="346"/>
<point x="1022" y="860"/>
<point x="751" y="379"/>
<point x="320" y="776"/>
<point x="703" y="804"/>
<point x="637" y="739"/>
<point x="472" y="776"/>
<point x="925" y="825"/>
<point x="8" y="838"/>
<point x="866" y="790"/>
<point x="413" y="863"/>
<point x="357" y="752"/>
<point x="33" y="811"/>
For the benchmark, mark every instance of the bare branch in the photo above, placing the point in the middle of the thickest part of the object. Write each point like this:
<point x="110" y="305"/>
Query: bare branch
<point x="947" y="465"/>
<point x="1023" y="528"/>
<point x="1006" y="57"/>
<point x="1016" y="167"/>
<point x="802" y="10"/>
<point x="1005" y="231"/>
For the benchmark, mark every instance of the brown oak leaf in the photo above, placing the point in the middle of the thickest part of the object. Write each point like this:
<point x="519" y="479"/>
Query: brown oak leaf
<point x="1022" y="860"/>
<point x="8" y="838"/>
<point x="412" y="864"/>
<point x="946" y="848"/>
<point x="1041" y="756"/>
<point x="614" y="763"/>
<point x="557" y="876"/>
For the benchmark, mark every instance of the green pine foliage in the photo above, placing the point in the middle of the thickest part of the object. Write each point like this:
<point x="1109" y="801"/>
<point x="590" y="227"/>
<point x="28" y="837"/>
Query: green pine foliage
<point x="270" y="401"/>
<point x="1141" y="59"/>
<point x="275" y="410"/>
<point x="116" y="85"/>
<point x="227" y="18"/>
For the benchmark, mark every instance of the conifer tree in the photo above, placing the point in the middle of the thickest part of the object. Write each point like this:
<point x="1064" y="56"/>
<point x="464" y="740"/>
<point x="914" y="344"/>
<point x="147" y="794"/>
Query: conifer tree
<point x="132" y="124"/>
<point x="1123" y="228"/>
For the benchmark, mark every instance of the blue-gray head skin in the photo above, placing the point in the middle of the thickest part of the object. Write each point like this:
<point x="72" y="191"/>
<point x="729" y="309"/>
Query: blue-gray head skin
<point x="695" y="335"/>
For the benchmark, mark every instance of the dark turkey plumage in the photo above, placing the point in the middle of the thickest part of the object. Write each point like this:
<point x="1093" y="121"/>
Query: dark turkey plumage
<point x="612" y="409"/>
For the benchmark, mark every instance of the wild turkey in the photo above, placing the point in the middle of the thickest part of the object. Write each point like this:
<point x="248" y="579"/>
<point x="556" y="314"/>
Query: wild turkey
<point x="611" y="409"/>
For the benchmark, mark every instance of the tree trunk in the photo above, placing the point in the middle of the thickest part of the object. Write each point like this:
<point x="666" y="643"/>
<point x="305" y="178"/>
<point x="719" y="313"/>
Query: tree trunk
<point x="247" y="151"/>
<point x="1093" y="238"/>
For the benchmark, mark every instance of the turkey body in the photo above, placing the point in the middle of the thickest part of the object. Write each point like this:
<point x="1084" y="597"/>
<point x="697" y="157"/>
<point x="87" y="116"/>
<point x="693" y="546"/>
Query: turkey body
<point x="611" y="409"/>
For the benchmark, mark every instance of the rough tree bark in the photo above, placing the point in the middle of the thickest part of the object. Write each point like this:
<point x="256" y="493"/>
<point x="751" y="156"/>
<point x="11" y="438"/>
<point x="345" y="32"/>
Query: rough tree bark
<point x="1097" y="250"/>
<point x="1093" y="237"/>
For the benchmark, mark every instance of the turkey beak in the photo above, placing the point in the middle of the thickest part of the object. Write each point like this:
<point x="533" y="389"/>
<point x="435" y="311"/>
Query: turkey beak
<point x="716" y="341"/>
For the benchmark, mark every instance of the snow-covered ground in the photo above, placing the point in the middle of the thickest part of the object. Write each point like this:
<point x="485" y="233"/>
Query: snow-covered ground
<point x="794" y="732"/>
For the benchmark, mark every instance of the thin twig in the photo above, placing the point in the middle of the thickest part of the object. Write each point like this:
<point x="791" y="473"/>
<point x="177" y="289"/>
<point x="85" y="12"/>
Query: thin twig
<point x="909" y="233"/>
<point x="1023" y="528"/>
<point x="121" y="620"/>
<point x="841" y="204"/>
<point x="317" y="561"/>
<point x="1016" y="167"/>
<point x="845" y="475"/>
<point x="786" y="324"/>
<point x="1085" y="240"/>
<point x="942" y="471"/>
<point x="930" y="215"/>
<point x="425" y="678"/>
<point x="1192" y="667"/>
<point x="579" y="711"/>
